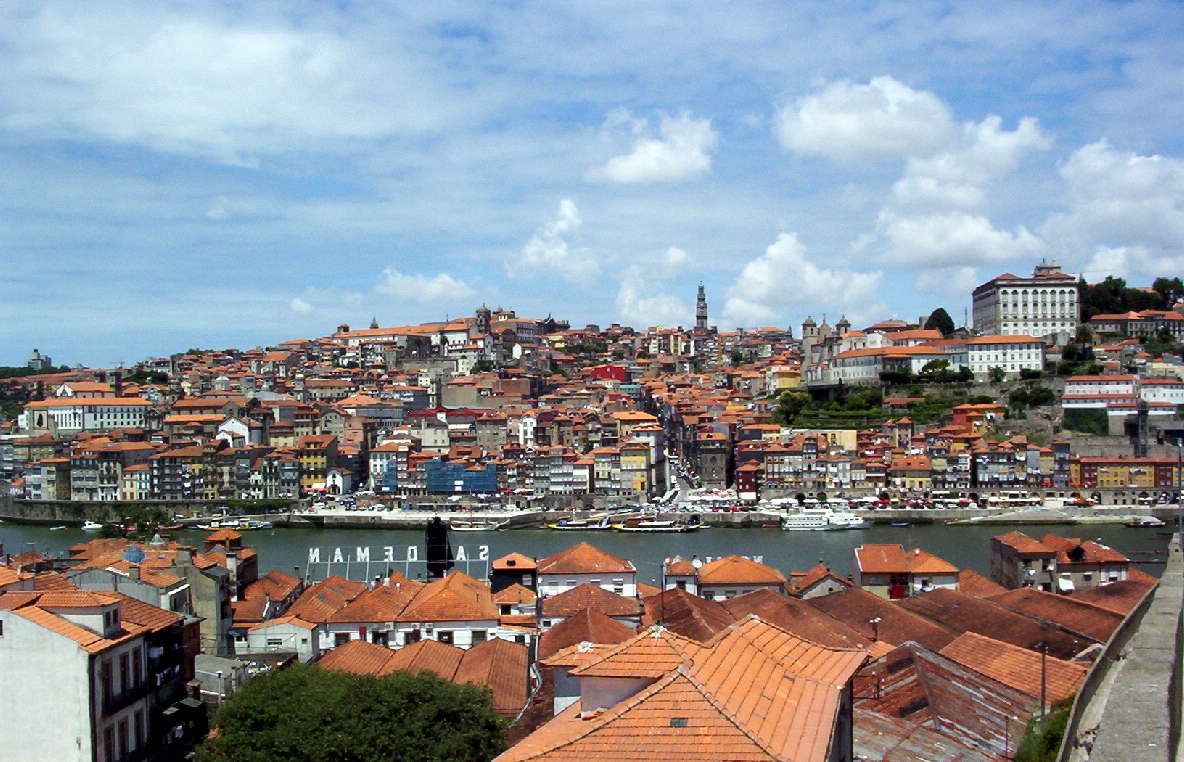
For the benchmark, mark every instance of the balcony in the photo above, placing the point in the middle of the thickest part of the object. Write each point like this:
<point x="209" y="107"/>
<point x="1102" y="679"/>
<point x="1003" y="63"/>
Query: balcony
<point x="116" y="703"/>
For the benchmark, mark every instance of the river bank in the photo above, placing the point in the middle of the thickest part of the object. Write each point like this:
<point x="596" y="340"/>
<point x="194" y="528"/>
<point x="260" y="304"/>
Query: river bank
<point x="965" y="546"/>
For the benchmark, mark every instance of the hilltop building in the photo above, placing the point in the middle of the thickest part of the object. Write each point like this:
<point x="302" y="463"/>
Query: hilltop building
<point x="1045" y="305"/>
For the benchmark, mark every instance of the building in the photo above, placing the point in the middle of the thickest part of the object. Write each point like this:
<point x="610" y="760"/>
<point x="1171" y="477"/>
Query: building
<point x="105" y="670"/>
<point x="582" y="563"/>
<point x="890" y="571"/>
<point x="1046" y="305"/>
<point x="756" y="692"/>
<point x="1018" y="560"/>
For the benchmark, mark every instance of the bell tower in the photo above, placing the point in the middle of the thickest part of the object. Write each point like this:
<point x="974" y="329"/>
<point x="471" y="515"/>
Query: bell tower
<point x="701" y="309"/>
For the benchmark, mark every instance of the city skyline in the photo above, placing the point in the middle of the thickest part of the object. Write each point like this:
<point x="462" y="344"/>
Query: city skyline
<point x="226" y="176"/>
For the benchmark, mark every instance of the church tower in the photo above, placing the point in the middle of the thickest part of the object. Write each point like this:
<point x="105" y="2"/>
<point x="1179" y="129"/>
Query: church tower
<point x="701" y="309"/>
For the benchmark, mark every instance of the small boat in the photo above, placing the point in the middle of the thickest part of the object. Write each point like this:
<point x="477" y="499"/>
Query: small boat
<point x="586" y="525"/>
<point x="900" y="523"/>
<point x="1142" y="522"/>
<point x="640" y="524"/>
<point x="475" y="525"/>
<point x="54" y="529"/>
<point x="91" y="526"/>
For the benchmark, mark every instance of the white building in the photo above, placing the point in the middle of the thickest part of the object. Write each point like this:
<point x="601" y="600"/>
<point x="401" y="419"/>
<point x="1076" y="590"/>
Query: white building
<point x="74" y="677"/>
<point x="583" y="563"/>
<point x="74" y="415"/>
<point x="1046" y="304"/>
<point x="1012" y="353"/>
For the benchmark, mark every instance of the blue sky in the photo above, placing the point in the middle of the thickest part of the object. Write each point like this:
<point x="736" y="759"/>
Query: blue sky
<point x="237" y="174"/>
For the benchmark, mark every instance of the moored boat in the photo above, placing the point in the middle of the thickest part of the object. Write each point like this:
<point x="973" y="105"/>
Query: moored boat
<point x="91" y="526"/>
<point x="1143" y="522"/>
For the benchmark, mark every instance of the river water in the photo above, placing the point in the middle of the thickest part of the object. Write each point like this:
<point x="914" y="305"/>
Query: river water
<point x="965" y="546"/>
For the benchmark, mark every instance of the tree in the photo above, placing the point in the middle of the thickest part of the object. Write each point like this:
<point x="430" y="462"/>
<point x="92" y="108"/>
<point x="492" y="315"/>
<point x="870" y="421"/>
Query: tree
<point x="940" y="320"/>
<point x="790" y="403"/>
<point x="308" y="713"/>
<point x="996" y="374"/>
<point x="1169" y="290"/>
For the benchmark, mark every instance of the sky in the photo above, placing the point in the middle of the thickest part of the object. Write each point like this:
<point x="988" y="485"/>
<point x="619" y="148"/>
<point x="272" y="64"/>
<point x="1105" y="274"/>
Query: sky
<point x="235" y="174"/>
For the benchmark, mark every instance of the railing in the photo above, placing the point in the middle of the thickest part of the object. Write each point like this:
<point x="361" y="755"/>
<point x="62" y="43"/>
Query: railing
<point x="118" y="702"/>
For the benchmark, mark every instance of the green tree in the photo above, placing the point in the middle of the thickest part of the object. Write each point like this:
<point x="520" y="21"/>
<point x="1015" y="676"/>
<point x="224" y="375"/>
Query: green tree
<point x="304" y="712"/>
<point x="1169" y="290"/>
<point x="790" y="403"/>
<point x="940" y="320"/>
<point x="996" y="374"/>
<point x="1084" y="335"/>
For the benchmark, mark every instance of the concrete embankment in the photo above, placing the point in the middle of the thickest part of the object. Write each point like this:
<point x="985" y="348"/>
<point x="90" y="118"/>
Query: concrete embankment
<point x="1129" y="707"/>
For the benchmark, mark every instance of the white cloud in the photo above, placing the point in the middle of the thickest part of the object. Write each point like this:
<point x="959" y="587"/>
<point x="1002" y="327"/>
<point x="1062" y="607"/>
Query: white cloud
<point x="849" y="122"/>
<point x="954" y="282"/>
<point x="199" y="83"/>
<point x="638" y="306"/>
<point x="422" y="289"/>
<point x="682" y="151"/>
<point x="1108" y="261"/>
<point x="1126" y="208"/>
<point x="674" y="260"/>
<point x="957" y="178"/>
<point x="785" y="277"/>
<point x="299" y="306"/>
<point x="951" y="239"/>
<point x="550" y="250"/>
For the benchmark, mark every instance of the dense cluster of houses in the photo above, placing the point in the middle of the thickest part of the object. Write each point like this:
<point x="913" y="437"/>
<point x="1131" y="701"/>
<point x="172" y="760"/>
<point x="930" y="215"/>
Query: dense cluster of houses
<point x="498" y="403"/>
<point x="580" y="655"/>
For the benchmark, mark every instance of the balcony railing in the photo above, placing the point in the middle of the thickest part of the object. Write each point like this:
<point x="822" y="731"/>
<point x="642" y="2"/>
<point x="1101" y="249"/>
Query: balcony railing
<point x="116" y="703"/>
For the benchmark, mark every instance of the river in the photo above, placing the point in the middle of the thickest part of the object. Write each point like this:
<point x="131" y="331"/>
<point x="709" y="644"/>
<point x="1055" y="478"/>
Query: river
<point x="965" y="546"/>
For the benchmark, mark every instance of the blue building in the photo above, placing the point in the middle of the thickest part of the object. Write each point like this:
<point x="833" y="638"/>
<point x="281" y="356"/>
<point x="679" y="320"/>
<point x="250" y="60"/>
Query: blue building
<point x="455" y="478"/>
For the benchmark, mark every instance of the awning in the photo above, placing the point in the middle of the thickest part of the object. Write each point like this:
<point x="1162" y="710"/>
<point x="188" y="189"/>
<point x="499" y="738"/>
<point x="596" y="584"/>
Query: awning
<point x="1065" y="585"/>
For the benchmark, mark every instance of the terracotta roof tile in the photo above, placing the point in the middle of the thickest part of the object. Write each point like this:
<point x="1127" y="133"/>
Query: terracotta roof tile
<point x="739" y="570"/>
<point x="584" y="559"/>
<point x="1075" y="615"/>
<point x="965" y="613"/>
<point x="1121" y="597"/>
<point x="514" y="594"/>
<point x="1016" y="667"/>
<point x="650" y="654"/>
<point x="687" y="614"/>
<point x="857" y="608"/>
<point x="797" y="617"/>
<point x="585" y="626"/>
<point x="589" y="595"/>
<point x="357" y="656"/>
<point x="972" y="583"/>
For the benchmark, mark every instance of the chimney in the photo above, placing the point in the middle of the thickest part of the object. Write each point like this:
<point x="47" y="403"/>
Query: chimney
<point x="184" y="557"/>
<point x="133" y="572"/>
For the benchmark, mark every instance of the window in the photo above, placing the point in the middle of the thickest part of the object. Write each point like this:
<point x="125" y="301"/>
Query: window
<point x="444" y="636"/>
<point x="123" y="745"/>
<point x="479" y="636"/>
<point x="414" y="636"/>
<point x="341" y="638"/>
<point x="109" y="743"/>
<point x="138" y="736"/>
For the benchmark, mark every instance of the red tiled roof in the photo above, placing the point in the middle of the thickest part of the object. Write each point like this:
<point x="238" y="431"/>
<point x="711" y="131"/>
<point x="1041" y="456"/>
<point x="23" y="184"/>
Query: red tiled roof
<point x="1016" y="667"/>
<point x="584" y="559"/>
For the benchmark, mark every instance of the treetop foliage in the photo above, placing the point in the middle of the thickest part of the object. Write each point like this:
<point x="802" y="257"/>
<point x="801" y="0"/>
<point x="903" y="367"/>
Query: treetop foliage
<point x="1112" y="295"/>
<point x="304" y="712"/>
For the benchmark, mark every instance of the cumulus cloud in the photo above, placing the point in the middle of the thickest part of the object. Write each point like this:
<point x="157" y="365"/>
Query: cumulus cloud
<point x="638" y="304"/>
<point x="1121" y="198"/>
<point x="198" y="83"/>
<point x="958" y="177"/>
<point x="422" y="289"/>
<point x="848" y="122"/>
<point x="785" y="277"/>
<point x="951" y="239"/>
<point x="1108" y="261"/>
<point x="674" y="260"/>
<point x="299" y="306"/>
<point x="550" y="250"/>
<point x="681" y="151"/>
<point x="954" y="282"/>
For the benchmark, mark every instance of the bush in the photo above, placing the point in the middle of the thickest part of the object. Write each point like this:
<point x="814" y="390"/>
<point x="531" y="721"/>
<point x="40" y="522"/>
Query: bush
<point x="1042" y="739"/>
<point x="1087" y="420"/>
